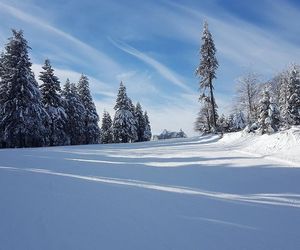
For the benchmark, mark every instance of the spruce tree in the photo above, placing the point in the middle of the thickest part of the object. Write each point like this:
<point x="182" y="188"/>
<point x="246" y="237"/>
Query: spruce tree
<point x="75" y="113"/>
<point x="230" y="119"/>
<point x="223" y="124"/>
<point x="283" y="98"/>
<point x="264" y="104"/>
<point x="1" y="64"/>
<point x="106" y="129"/>
<point x="135" y="127"/>
<point x="293" y="101"/>
<point x="91" y="119"/>
<point x="268" y="115"/>
<point x="203" y="122"/>
<point x="22" y="112"/>
<point x="147" y="131"/>
<point x="239" y="120"/>
<point x="124" y="129"/>
<point x="289" y="101"/>
<point x="52" y="100"/>
<point x="207" y="73"/>
<point x="140" y="122"/>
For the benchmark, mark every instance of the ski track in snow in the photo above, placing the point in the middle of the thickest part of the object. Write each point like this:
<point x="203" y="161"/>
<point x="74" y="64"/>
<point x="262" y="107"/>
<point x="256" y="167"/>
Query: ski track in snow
<point x="291" y="200"/>
<point x="195" y="193"/>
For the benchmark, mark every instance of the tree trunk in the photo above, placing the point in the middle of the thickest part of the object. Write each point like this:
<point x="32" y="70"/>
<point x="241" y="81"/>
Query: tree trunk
<point x="212" y="99"/>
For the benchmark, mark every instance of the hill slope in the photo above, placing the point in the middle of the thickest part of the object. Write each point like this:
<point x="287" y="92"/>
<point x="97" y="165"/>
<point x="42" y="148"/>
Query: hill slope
<point x="199" y="193"/>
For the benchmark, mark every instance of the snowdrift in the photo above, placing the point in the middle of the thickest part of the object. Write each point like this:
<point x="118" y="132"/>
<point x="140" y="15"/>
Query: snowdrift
<point x="283" y="146"/>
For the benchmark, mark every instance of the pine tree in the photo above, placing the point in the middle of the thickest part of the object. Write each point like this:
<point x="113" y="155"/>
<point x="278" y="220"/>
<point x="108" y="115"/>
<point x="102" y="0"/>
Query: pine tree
<point x="203" y="122"/>
<point x="289" y="101"/>
<point x="207" y="72"/>
<point x="293" y="101"/>
<point x="239" y="120"/>
<point x="92" y="130"/>
<point x="283" y="98"/>
<point x="231" y="123"/>
<point x="268" y="115"/>
<point x="264" y="112"/>
<point x="147" y="131"/>
<point x="75" y="113"/>
<point x="106" y="129"/>
<point x="223" y="124"/>
<point x="135" y="128"/>
<point x="52" y="100"/>
<point x="124" y="128"/>
<point x="22" y="112"/>
<point x="1" y="64"/>
<point x="140" y="122"/>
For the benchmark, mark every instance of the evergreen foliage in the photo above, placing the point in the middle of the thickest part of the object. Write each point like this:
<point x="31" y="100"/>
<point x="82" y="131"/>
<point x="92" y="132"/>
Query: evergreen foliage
<point x="268" y="114"/>
<point x="293" y="96"/>
<point x="124" y="124"/>
<point x="203" y="122"/>
<point x="76" y="114"/>
<point x="21" y="109"/>
<point x="91" y="118"/>
<point x="147" y="131"/>
<point x="140" y="122"/>
<point x="53" y="103"/>
<point x="207" y="73"/>
<point x="106" y="128"/>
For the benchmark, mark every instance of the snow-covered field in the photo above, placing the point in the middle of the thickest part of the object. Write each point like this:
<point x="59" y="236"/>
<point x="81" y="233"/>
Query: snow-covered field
<point x="239" y="192"/>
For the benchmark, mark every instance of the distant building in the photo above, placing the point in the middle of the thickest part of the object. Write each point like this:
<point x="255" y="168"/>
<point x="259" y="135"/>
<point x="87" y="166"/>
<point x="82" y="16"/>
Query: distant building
<point x="169" y="135"/>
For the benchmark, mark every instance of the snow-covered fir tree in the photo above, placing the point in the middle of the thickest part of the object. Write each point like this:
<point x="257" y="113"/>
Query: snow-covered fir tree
<point x="290" y="97"/>
<point x="268" y="114"/>
<point x="283" y="98"/>
<point x="75" y="113"/>
<point x="132" y="110"/>
<point x="203" y="122"/>
<point x="236" y="121"/>
<point x="91" y="118"/>
<point x="21" y="109"/>
<point x="140" y="122"/>
<point x="230" y="121"/>
<point x="124" y="126"/>
<point x="1" y="64"/>
<point x="106" y="128"/>
<point x="53" y="103"/>
<point x="207" y="73"/>
<point x="147" y="131"/>
<point x="239" y="121"/>
<point x="223" y="124"/>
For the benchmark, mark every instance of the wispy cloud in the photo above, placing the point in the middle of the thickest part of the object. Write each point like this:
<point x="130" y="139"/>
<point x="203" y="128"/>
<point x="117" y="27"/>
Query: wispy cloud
<point x="29" y="18"/>
<point x="237" y="40"/>
<point x="163" y="70"/>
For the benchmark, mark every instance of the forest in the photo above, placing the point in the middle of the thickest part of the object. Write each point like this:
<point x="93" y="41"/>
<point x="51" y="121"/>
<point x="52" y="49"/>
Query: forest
<point x="33" y="115"/>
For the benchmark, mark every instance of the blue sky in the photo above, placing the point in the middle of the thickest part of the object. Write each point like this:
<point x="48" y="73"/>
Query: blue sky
<point x="153" y="47"/>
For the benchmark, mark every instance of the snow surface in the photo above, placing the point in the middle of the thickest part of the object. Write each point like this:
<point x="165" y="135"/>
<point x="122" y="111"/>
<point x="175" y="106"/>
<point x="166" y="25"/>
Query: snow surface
<point x="283" y="146"/>
<point x="238" y="192"/>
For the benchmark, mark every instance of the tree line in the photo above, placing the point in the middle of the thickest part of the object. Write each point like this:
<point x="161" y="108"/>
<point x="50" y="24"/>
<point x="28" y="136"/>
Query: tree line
<point x="265" y="107"/>
<point x="33" y="115"/>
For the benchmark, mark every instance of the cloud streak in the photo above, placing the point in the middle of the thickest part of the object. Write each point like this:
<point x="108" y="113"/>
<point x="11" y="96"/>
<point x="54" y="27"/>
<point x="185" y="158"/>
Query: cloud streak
<point x="163" y="70"/>
<point x="92" y="52"/>
<point x="237" y="40"/>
